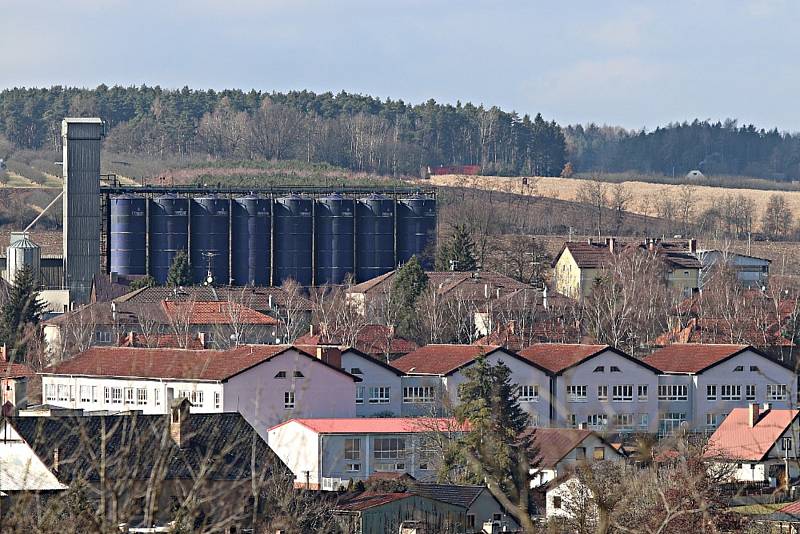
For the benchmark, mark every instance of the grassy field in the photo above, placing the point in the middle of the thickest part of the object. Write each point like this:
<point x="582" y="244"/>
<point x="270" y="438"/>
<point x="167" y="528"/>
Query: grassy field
<point x="645" y="194"/>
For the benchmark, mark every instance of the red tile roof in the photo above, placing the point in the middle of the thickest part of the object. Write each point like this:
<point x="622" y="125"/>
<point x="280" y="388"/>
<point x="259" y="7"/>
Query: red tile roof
<point x="441" y="359"/>
<point x="15" y="370"/>
<point x="216" y="312"/>
<point x="171" y="363"/>
<point x="792" y="509"/>
<point x="369" y="499"/>
<point x="555" y="443"/>
<point x="556" y="357"/>
<point x="691" y="357"/>
<point x="373" y="339"/>
<point x="735" y="439"/>
<point x="378" y="425"/>
<point x="586" y="255"/>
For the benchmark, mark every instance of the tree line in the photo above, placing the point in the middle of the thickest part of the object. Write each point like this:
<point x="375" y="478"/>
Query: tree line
<point x="353" y="131"/>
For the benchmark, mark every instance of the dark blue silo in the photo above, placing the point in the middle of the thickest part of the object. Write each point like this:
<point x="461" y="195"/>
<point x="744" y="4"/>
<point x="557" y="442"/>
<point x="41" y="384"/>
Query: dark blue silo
<point x="374" y="236"/>
<point x="169" y="233"/>
<point x="209" y="239"/>
<point x="250" y="241"/>
<point x="293" y="239"/>
<point x="128" y="239"/>
<point x="333" y="219"/>
<point x="416" y="227"/>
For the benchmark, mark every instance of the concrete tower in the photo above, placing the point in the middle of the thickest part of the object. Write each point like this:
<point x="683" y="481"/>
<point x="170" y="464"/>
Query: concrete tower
<point x="81" y="167"/>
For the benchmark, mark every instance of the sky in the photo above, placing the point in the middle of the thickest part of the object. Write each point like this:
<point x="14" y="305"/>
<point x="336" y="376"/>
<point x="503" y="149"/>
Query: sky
<point x="637" y="64"/>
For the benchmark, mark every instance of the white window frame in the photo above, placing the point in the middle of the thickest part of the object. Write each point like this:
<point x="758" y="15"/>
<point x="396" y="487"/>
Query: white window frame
<point x="576" y="393"/>
<point x="352" y="449"/>
<point x="360" y="394"/>
<point x="750" y="392"/>
<point x="379" y="394"/>
<point x="141" y="396"/>
<point x="673" y="392"/>
<point x="641" y="392"/>
<point x="777" y="392"/>
<point x="129" y="396"/>
<point x="396" y="449"/>
<point x="419" y="394"/>
<point x="602" y="393"/>
<point x="597" y="420"/>
<point x="85" y="393"/>
<point x="116" y="395"/>
<point x="644" y="420"/>
<point x="622" y="393"/>
<point x="217" y="400"/>
<point x="529" y="393"/>
<point x="730" y="392"/>
<point x="288" y="400"/>
<point x="711" y="392"/>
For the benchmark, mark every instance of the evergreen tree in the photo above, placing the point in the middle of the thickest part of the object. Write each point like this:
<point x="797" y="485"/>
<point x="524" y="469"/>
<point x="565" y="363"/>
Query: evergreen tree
<point x="179" y="273"/>
<point x="499" y="446"/>
<point x="21" y="314"/>
<point x="458" y="253"/>
<point x="410" y="281"/>
<point x="144" y="281"/>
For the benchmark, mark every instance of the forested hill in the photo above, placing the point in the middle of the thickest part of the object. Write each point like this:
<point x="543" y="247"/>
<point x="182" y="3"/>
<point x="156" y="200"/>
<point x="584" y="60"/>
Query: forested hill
<point x="363" y="133"/>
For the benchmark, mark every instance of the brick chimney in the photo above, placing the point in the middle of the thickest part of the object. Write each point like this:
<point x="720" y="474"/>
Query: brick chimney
<point x="179" y="415"/>
<point x="753" y="413"/>
<point x="330" y="355"/>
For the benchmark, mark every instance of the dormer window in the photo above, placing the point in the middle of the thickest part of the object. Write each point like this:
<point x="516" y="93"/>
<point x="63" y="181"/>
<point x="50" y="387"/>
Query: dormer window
<point x="754" y="369"/>
<point x="615" y="369"/>
<point x="738" y="369"/>
<point x="298" y="374"/>
<point x="280" y="374"/>
<point x="599" y="369"/>
<point x="355" y="371"/>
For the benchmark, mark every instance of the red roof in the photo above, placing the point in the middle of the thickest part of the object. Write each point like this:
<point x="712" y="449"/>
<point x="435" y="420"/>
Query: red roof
<point x="555" y="443"/>
<point x="735" y="439"/>
<point x="557" y="357"/>
<point x="171" y="363"/>
<point x="15" y="370"/>
<point x="691" y="357"/>
<point x="441" y="359"/>
<point x="792" y="509"/>
<point x="370" y="499"/>
<point x="216" y="312"/>
<point x="372" y="339"/>
<point x="378" y="425"/>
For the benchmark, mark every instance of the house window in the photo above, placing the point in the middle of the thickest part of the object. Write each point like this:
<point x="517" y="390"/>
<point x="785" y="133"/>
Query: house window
<point x="622" y="393"/>
<point x="738" y="369"/>
<point x="85" y="394"/>
<point x="623" y="421"/>
<point x="576" y="393"/>
<point x="599" y="369"/>
<point x="670" y="422"/>
<point x="141" y="396"/>
<point x="379" y="395"/>
<point x="116" y="395"/>
<point x="156" y="398"/>
<point x="418" y="394"/>
<point x="572" y="420"/>
<point x="711" y="392"/>
<point x="750" y="392"/>
<point x="598" y="420"/>
<point x="197" y="398"/>
<point x="50" y="392"/>
<point x="355" y="371"/>
<point x="644" y="420"/>
<point x="673" y="392"/>
<point x="71" y="392"/>
<point x="128" y="395"/>
<point x="556" y="502"/>
<point x="754" y="369"/>
<point x="217" y="400"/>
<point x="359" y="394"/>
<point x="529" y="393"/>
<point x="94" y="393"/>
<point x="580" y="453"/>
<point x="729" y="392"/>
<point x="615" y="369"/>
<point x="786" y="443"/>
<point x="602" y="393"/>
<point x="298" y="374"/>
<point x="389" y="448"/>
<point x="471" y="521"/>
<point x="641" y="392"/>
<point x="280" y="374"/>
<point x="776" y="392"/>
<point x="102" y="336"/>
<point x="711" y="420"/>
<point x="107" y="394"/>
<point x="63" y="392"/>
<point x="288" y="400"/>
<point x="352" y="449"/>
<point x="353" y="468"/>
<point x="599" y="453"/>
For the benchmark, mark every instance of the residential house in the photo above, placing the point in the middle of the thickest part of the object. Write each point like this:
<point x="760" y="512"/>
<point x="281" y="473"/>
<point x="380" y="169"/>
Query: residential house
<point x="376" y="340"/>
<point x="15" y="379"/>
<point x="181" y="324"/>
<point x="597" y="386"/>
<point x="379" y="513"/>
<point x="328" y="453"/>
<point x="567" y="497"/>
<point x="751" y="271"/>
<point x="484" y="513"/>
<point x="153" y="463"/>
<point x="699" y="384"/>
<point x="434" y="372"/>
<point x="756" y="444"/>
<point x="107" y="287"/>
<point x="561" y="450"/>
<point x="22" y="471"/>
<point x="380" y="390"/>
<point x="579" y="264"/>
<point x="267" y="384"/>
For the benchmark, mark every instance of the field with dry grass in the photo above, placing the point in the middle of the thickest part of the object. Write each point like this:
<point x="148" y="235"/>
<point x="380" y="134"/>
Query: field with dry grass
<point x="645" y="195"/>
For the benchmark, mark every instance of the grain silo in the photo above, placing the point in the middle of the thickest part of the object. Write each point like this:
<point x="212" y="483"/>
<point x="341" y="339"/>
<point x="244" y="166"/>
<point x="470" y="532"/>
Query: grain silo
<point x="334" y="239"/>
<point x="293" y="231"/>
<point x="251" y="224"/>
<point x="374" y="236"/>
<point x="128" y="239"/>
<point x="416" y="227"/>
<point x="169" y="233"/>
<point x="209" y="239"/>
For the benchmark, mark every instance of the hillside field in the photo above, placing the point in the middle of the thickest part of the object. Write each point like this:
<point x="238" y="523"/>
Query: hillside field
<point x="645" y="195"/>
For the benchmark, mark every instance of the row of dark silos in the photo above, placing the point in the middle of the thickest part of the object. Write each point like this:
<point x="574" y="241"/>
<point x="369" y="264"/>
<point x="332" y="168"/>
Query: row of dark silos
<point x="253" y="240"/>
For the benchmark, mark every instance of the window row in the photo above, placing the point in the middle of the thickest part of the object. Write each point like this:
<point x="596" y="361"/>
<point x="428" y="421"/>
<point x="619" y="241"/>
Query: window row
<point x="619" y="393"/>
<point x="384" y="449"/>
<point x="619" y="421"/>
<point x="419" y="394"/>
<point x="377" y="394"/>
<point x="733" y="392"/>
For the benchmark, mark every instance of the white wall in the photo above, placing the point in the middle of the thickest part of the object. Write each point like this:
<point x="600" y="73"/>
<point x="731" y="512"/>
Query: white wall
<point x="576" y="500"/>
<point x="298" y="447"/>
<point x="374" y="374"/>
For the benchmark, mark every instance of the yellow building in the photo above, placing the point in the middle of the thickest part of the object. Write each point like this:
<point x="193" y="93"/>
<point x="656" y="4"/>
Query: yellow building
<point x="579" y="263"/>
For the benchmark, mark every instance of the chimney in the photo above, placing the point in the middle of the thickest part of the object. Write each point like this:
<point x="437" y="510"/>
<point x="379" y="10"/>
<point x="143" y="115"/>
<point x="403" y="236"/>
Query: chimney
<point x="330" y="355"/>
<point x="693" y="245"/>
<point x="311" y="329"/>
<point x="611" y="244"/>
<point x="178" y="418"/>
<point x="3" y="354"/>
<point x="56" y="459"/>
<point x="753" y="414"/>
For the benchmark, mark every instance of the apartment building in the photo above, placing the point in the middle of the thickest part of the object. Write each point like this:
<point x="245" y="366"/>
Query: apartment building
<point x="380" y="389"/>
<point x="267" y="384"/>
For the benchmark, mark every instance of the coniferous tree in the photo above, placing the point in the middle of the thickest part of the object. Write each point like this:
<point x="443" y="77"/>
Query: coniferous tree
<point x="21" y="311"/>
<point x="144" y="281"/>
<point x="179" y="273"/>
<point x="410" y="281"/>
<point x="499" y="445"/>
<point x="458" y="253"/>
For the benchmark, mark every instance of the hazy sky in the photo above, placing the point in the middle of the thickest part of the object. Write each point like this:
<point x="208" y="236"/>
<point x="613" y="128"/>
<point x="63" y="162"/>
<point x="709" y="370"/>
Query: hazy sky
<point x="632" y="63"/>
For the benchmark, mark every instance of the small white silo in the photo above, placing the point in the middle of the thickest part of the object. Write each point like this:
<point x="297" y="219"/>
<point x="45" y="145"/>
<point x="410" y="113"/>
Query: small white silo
<point x="20" y="253"/>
